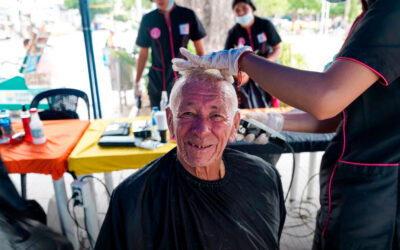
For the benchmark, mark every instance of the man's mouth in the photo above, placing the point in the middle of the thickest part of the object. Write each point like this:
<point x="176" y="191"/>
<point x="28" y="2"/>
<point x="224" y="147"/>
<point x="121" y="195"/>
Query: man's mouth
<point x="199" y="146"/>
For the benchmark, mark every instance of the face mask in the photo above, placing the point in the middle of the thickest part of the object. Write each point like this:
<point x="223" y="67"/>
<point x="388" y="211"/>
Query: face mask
<point x="244" y="20"/>
<point x="170" y="4"/>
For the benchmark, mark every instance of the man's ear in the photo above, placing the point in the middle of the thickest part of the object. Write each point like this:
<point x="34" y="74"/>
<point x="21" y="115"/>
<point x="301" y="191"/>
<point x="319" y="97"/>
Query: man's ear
<point x="236" y="122"/>
<point x="170" y="122"/>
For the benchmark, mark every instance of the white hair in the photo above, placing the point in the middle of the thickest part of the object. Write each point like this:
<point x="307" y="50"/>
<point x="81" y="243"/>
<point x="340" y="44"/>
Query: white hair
<point x="210" y="79"/>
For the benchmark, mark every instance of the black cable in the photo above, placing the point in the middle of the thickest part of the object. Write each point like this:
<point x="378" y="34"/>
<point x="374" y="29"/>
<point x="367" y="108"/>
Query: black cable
<point x="78" y="226"/>
<point x="76" y="223"/>
<point x="99" y="180"/>
<point x="305" y="215"/>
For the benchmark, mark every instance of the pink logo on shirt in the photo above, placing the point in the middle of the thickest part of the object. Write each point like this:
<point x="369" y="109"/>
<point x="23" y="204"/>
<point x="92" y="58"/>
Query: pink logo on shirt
<point x="241" y="41"/>
<point x="155" y="33"/>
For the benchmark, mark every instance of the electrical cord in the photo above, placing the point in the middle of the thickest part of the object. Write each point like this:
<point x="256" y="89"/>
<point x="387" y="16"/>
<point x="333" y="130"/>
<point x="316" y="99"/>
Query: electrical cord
<point x="304" y="214"/>
<point x="73" y="217"/>
<point x="99" y="180"/>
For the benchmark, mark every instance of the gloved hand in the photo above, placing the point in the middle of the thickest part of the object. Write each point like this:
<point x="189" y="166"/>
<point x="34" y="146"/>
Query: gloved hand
<point x="139" y="88"/>
<point x="273" y="120"/>
<point x="226" y="61"/>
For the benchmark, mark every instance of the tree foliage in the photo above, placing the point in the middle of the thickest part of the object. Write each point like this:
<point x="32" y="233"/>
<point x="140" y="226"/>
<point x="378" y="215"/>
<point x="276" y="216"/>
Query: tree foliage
<point x="96" y="6"/>
<point x="305" y="6"/>
<point x="128" y="4"/>
<point x="271" y="7"/>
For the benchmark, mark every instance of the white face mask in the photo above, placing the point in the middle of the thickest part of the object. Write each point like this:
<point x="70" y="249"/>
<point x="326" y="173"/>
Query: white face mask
<point x="170" y="5"/>
<point x="244" y="20"/>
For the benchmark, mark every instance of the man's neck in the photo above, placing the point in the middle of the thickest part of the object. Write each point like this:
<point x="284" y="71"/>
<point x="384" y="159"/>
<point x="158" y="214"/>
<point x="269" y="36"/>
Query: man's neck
<point x="209" y="173"/>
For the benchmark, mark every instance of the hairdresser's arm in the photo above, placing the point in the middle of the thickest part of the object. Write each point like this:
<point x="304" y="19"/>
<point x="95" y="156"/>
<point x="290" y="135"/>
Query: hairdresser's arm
<point x="323" y="95"/>
<point x="304" y="122"/>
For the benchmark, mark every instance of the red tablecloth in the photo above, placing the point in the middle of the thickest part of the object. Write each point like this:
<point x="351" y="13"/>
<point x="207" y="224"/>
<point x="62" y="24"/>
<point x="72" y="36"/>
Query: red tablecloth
<point x="48" y="158"/>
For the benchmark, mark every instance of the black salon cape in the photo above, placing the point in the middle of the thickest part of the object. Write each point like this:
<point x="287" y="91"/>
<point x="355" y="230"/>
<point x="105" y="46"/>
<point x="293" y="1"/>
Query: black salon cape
<point x="359" y="174"/>
<point x="165" y="42"/>
<point x="162" y="206"/>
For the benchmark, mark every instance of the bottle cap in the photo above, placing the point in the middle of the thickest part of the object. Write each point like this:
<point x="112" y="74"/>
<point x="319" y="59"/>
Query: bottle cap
<point x="33" y="110"/>
<point x="23" y="108"/>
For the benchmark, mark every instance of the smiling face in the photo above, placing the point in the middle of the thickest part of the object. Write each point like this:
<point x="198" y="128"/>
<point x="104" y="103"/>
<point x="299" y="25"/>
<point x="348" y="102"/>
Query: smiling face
<point x="203" y="117"/>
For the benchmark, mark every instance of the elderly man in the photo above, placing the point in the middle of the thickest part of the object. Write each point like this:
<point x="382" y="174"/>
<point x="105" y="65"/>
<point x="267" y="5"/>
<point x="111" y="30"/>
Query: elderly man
<point x="200" y="195"/>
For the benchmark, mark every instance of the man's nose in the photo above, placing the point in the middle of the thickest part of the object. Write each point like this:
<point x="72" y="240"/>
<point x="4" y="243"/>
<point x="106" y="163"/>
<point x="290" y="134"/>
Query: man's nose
<point x="201" y="126"/>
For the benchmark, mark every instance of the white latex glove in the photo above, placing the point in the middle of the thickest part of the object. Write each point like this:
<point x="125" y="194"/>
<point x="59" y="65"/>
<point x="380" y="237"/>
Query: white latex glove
<point x="139" y="88"/>
<point x="226" y="61"/>
<point x="272" y="120"/>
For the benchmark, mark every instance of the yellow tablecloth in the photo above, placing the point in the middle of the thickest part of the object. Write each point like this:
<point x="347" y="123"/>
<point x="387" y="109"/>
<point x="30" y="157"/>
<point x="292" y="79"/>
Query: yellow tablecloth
<point x="88" y="157"/>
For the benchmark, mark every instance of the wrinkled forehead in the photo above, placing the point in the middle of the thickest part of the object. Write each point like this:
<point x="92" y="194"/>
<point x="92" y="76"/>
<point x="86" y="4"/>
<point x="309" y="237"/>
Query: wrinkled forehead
<point x="197" y="92"/>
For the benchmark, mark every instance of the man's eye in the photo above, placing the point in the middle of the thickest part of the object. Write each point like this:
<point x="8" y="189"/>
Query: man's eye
<point x="186" y="114"/>
<point x="217" y="117"/>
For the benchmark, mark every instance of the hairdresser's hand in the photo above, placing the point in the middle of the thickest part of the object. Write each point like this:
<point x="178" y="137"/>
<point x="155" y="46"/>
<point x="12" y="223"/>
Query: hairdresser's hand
<point x="139" y="88"/>
<point x="226" y="61"/>
<point x="272" y="120"/>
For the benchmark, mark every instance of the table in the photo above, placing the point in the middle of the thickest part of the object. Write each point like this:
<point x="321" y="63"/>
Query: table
<point x="49" y="158"/>
<point x="88" y="157"/>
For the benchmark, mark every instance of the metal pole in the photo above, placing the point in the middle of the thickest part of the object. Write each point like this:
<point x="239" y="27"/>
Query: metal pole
<point x="295" y="184"/>
<point x="94" y="91"/>
<point x="67" y="224"/>
<point x="312" y="170"/>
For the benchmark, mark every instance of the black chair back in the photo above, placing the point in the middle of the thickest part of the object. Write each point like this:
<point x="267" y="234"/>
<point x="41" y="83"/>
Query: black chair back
<point x="62" y="103"/>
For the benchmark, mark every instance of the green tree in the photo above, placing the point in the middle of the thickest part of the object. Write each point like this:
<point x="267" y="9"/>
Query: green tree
<point x="337" y="9"/>
<point x="306" y="6"/>
<point x="96" y="6"/>
<point x="355" y="10"/>
<point x="128" y="4"/>
<point x="271" y="7"/>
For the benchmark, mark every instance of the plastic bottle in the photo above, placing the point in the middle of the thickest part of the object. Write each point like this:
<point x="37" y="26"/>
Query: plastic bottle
<point x="36" y="126"/>
<point x="164" y="100"/>
<point x="6" y="124"/>
<point x="154" y="132"/>
<point x="26" y="119"/>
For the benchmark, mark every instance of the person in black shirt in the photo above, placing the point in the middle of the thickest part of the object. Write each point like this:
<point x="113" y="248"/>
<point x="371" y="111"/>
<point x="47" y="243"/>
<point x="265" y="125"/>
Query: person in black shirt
<point x="359" y="97"/>
<point x="200" y="195"/>
<point x="261" y="35"/>
<point x="164" y="30"/>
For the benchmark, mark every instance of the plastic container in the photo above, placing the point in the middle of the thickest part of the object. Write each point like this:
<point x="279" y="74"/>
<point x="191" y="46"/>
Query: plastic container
<point x="36" y="126"/>
<point x="26" y="119"/>
<point x="162" y="125"/>
<point x="154" y="132"/>
<point x="164" y="100"/>
<point x="5" y="123"/>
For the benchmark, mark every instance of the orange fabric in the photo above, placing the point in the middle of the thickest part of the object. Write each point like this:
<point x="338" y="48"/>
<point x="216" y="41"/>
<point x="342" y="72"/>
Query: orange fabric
<point x="48" y="158"/>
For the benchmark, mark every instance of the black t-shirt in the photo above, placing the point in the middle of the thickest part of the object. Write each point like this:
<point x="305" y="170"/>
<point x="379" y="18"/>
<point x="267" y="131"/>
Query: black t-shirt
<point x="162" y="206"/>
<point x="370" y="132"/>
<point x="262" y="38"/>
<point x="166" y="36"/>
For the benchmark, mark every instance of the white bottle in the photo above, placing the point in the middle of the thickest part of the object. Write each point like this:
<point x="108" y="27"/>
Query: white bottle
<point x="36" y="127"/>
<point x="164" y="100"/>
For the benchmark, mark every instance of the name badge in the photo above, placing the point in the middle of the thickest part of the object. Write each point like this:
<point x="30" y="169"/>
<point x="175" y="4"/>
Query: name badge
<point x="184" y="29"/>
<point x="241" y="41"/>
<point x="155" y="33"/>
<point x="262" y="38"/>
